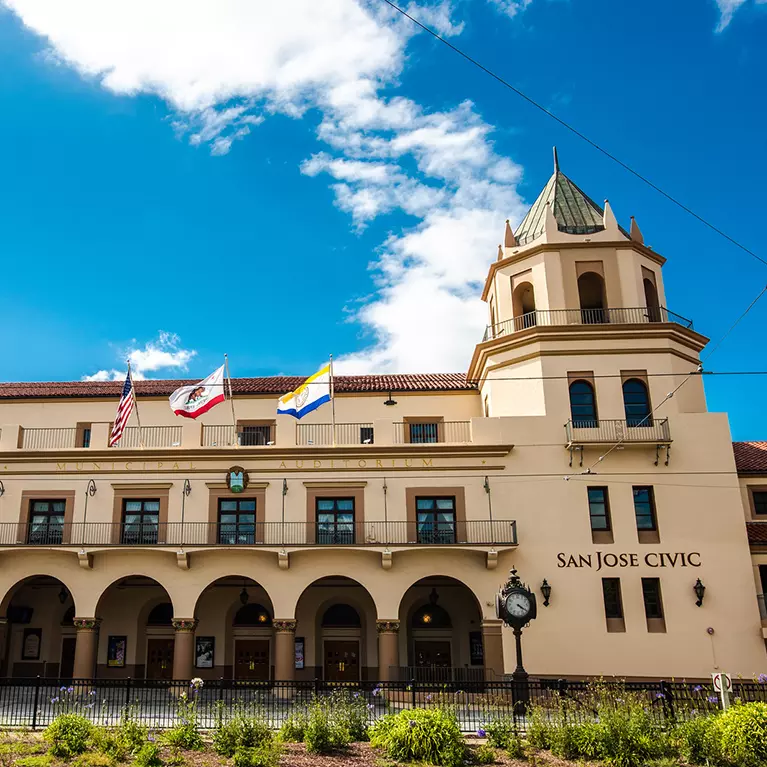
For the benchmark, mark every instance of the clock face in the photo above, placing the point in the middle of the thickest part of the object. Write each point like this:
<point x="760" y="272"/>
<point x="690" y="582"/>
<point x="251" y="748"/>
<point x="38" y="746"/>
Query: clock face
<point x="518" y="604"/>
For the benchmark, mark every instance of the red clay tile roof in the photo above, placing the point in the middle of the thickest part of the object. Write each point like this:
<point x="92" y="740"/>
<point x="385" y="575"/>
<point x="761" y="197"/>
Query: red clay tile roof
<point x="277" y="385"/>
<point x="757" y="533"/>
<point x="750" y="457"/>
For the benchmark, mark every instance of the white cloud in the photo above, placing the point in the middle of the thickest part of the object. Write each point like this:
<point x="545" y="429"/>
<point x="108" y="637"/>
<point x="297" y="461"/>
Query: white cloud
<point x="164" y="353"/>
<point x="224" y="71"/>
<point x="727" y="10"/>
<point x="511" y="7"/>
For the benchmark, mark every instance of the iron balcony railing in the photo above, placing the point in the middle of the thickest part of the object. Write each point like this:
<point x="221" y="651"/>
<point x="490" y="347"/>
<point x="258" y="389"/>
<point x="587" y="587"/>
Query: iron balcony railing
<point x="400" y="533"/>
<point x="547" y="317"/>
<point x="432" y="432"/>
<point x="345" y="434"/>
<point x="150" y="436"/>
<point x="48" y="438"/>
<point x="648" y="430"/>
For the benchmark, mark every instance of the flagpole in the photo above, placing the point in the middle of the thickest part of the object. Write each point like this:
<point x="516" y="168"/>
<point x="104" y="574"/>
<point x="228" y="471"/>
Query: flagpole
<point x="135" y="407"/>
<point x="231" y="399"/>
<point x="332" y="402"/>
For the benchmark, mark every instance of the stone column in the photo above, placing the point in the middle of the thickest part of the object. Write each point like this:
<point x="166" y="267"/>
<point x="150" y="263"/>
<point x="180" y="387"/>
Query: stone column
<point x="284" y="650"/>
<point x="388" y="649"/>
<point x="492" y="641"/>
<point x="86" y="647"/>
<point x="183" y="648"/>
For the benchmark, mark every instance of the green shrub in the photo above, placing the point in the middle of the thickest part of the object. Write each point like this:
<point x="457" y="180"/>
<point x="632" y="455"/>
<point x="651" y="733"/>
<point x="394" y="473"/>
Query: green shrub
<point x="148" y="756"/>
<point x="630" y="737"/>
<point x="109" y="744"/>
<point x="352" y="709"/>
<point x="265" y="755"/>
<point x="325" y="732"/>
<point x="589" y="738"/>
<point x="185" y="736"/>
<point x="68" y="735"/>
<point x="502" y="733"/>
<point x="697" y="741"/>
<point x="538" y="728"/>
<point x="240" y="732"/>
<point x="563" y="739"/>
<point x="483" y="754"/>
<point x="742" y="734"/>
<point x="132" y="734"/>
<point x="420" y="735"/>
<point x="293" y="728"/>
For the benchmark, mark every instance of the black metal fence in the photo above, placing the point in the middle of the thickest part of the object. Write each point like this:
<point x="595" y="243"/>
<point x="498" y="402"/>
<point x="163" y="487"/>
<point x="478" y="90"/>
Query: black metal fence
<point x="34" y="703"/>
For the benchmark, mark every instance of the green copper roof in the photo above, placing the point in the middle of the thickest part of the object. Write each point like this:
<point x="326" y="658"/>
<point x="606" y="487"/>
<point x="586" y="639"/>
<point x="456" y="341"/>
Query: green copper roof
<point x="575" y="212"/>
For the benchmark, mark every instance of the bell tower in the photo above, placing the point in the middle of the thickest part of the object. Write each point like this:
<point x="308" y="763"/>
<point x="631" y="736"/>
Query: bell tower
<point x="578" y="324"/>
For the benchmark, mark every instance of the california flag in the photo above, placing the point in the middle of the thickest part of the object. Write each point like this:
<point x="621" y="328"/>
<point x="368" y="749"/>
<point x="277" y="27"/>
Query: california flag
<point x="195" y="399"/>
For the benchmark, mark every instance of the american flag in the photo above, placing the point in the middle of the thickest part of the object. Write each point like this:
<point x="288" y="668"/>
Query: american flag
<point x="124" y="410"/>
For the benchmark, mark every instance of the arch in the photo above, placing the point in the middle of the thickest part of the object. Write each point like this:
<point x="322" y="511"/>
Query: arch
<point x="523" y="304"/>
<point x="341" y="614"/>
<point x="441" y="629"/>
<point x="337" y="617"/>
<point x="636" y="403"/>
<point x="591" y="295"/>
<point x="651" y="300"/>
<point x="252" y="614"/>
<point x="37" y="608"/>
<point x="583" y="405"/>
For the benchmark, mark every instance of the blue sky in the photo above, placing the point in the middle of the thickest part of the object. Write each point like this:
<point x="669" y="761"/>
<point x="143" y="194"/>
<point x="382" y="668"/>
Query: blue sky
<point x="285" y="181"/>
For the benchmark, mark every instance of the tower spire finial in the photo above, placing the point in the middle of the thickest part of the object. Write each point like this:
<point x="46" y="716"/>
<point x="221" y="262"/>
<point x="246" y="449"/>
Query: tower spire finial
<point x="556" y="161"/>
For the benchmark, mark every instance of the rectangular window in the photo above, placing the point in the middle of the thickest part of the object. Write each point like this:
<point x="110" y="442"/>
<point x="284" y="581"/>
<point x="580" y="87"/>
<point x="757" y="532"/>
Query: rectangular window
<point x="611" y="590"/>
<point x="141" y="522"/>
<point x="653" y="605"/>
<point x="435" y="519"/>
<point x="760" y="502"/>
<point x="259" y="434"/>
<point x="335" y="521"/>
<point x="46" y="522"/>
<point x="83" y="435"/>
<point x="236" y="521"/>
<point x="366" y="435"/>
<point x="423" y="433"/>
<point x="644" y="508"/>
<point x="599" y="511"/>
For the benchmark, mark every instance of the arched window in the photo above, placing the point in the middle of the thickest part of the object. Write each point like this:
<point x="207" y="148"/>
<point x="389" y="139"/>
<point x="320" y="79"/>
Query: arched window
<point x="651" y="301"/>
<point x="591" y="294"/>
<point x="523" y="303"/>
<point x="341" y="615"/>
<point x="583" y="405"/>
<point x="252" y="615"/>
<point x="431" y="617"/>
<point x="636" y="402"/>
<point x="161" y="615"/>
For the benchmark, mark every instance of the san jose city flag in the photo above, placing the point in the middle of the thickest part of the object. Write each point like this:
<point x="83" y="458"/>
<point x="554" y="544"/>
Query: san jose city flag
<point x="195" y="399"/>
<point x="312" y="393"/>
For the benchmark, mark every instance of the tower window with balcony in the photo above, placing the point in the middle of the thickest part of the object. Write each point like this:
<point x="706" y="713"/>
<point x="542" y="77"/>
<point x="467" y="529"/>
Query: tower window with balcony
<point x="335" y="521"/>
<point x="523" y="304"/>
<point x="583" y="405"/>
<point x="591" y="294"/>
<point x="46" y="522"/>
<point x="141" y="522"/>
<point x="636" y="402"/>
<point x="236" y="521"/>
<point x="435" y="520"/>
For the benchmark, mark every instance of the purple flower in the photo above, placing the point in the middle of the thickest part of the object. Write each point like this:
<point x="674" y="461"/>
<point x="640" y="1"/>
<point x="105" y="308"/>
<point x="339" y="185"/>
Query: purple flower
<point x="481" y="733"/>
<point x="698" y="688"/>
<point x="428" y="698"/>
<point x="54" y="700"/>
<point x="377" y="691"/>
<point x="370" y="706"/>
<point x="356" y="695"/>
<point x="62" y="689"/>
<point x="92" y="692"/>
<point x="659" y="695"/>
<point x="712" y="699"/>
<point x="70" y="689"/>
<point x="411" y="724"/>
<point x="150" y="738"/>
<point x="762" y="678"/>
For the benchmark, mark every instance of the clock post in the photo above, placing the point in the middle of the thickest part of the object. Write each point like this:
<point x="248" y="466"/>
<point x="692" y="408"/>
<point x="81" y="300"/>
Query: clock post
<point x="515" y="605"/>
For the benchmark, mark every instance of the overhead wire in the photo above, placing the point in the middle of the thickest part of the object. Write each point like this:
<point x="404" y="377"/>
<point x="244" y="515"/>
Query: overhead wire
<point x="575" y="131"/>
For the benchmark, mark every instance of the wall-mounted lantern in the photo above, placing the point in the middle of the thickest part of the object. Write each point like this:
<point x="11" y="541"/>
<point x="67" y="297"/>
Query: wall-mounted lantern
<point x="546" y="591"/>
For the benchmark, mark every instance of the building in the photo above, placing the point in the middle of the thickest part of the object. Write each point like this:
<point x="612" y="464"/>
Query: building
<point x="376" y="552"/>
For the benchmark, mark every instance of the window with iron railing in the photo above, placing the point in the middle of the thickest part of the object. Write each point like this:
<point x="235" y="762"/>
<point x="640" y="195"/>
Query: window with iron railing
<point x="424" y="433"/>
<point x="141" y="522"/>
<point x="435" y="520"/>
<point x="335" y="521"/>
<point x="236" y="521"/>
<point x="46" y="522"/>
<point x="260" y="434"/>
<point x="366" y="435"/>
